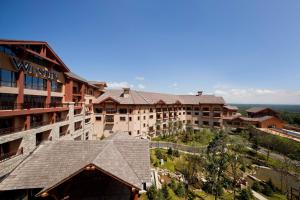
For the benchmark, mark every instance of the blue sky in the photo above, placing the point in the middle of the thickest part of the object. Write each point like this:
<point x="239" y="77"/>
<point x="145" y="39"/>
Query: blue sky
<point x="246" y="51"/>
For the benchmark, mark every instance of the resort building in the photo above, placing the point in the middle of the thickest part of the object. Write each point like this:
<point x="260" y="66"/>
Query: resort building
<point x="150" y="114"/>
<point x="40" y="100"/>
<point x="263" y="118"/>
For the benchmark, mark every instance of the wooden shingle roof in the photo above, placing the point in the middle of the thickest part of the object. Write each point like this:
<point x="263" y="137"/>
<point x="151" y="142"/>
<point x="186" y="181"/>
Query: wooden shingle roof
<point x="122" y="156"/>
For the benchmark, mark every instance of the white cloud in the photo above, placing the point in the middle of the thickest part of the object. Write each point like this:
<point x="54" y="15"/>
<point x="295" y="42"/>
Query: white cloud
<point x="118" y="85"/>
<point x="141" y="86"/>
<point x="140" y="78"/>
<point x="174" y="85"/>
<point x="258" y="95"/>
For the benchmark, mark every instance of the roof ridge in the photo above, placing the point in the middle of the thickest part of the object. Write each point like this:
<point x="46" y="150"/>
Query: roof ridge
<point x="127" y="162"/>
<point x="138" y="92"/>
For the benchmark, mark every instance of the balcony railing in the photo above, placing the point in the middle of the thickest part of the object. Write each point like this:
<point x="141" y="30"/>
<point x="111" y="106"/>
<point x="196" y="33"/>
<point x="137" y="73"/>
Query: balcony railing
<point x="8" y="83"/>
<point x="9" y="155"/>
<point x="4" y="131"/>
<point x="16" y="106"/>
<point x="39" y="124"/>
<point x="36" y="87"/>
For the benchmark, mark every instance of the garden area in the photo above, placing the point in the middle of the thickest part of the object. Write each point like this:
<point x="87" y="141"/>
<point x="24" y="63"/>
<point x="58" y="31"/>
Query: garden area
<point x="219" y="172"/>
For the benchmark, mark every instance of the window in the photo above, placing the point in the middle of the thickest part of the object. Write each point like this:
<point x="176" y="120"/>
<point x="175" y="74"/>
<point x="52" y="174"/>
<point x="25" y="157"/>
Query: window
<point x="205" y="114"/>
<point x="196" y="122"/>
<point x="35" y="83"/>
<point x="196" y="113"/>
<point x="31" y="101"/>
<point x="144" y="125"/>
<point x="151" y="110"/>
<point x="98" y="110"/>
<point x="56" y="100"/>
<point x="7" y="78"/>
<point x="7" y="101"/>
<point x="206" y="123"/>
<point x="123" y="111"/>
<point x="151" y="116"/>
<point x="138" y="132"/>
<point x="130" y="118"/>
<point x="110" y="110"/>
<point x="144" y="117"/>
<point x="138" y="118"/>
<point x="129" y="132"/>
<point x="98" y="118"/>
<point x="188" y="113"/>
<point x="122" y="118"/>
<point x="56" y="86"/>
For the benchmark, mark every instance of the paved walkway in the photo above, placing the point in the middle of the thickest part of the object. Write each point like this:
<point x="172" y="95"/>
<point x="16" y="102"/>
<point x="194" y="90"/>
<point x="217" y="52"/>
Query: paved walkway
<point x="258" y="196"/>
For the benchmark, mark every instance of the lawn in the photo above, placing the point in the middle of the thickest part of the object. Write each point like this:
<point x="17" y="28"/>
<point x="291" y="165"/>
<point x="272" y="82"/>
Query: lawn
<point x="172" y="163"/>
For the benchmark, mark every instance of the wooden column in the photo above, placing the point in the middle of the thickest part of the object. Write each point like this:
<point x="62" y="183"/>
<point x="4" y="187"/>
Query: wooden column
<point x="48" y="98"/>
<point x="27" y="122"/>
<point x="82" y="90"/>
<point x="20" y="85"/>
<point x="69" y="90"/>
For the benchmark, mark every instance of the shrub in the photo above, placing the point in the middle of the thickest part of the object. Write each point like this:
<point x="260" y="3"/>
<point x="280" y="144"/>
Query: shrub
<point x="176" y="153"/>
<point x="152" y="193"/>
<point x="170" y="151"/>
<point x="173" y="185"/>
<point x="267" y="190"/>
<point x="245" y="194"/>
<point x="257" y="187"/>
<point x="180" y="190"/>
<point x="165" y="191"/>
<point x="158" y="154"/>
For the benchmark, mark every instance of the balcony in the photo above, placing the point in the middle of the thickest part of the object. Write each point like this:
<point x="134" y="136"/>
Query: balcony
<point x="9" y="155"/>
<point x="8" y="130"/>
<point x="109" y="119"/>
<point x="39" y="124"/>
<point x="8" y="83"/>
<point x="22" y="106"/>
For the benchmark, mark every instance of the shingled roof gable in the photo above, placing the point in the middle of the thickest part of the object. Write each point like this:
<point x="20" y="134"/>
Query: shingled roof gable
<point x="53" y="162"/>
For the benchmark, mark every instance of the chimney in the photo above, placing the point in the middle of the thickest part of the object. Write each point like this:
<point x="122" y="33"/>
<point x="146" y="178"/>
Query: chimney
<point x="199" y="93"/>
<point x="126" y="92"/>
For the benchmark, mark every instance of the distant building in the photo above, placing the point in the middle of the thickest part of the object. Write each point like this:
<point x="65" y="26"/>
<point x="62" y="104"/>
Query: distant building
<point x="258" y="117"/>
<point x="115" y="168"/>
<point x="146" y="113"/>
<point x="261" y="112"/>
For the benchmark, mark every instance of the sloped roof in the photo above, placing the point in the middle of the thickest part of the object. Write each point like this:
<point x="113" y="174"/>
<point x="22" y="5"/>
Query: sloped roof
<point x="79" y="78"/>
<point x="144" y="98"/>
<point x="123" y="156"/>
<point x="32" y="42"/>
<point x="257" y="109"/>
<point x="229" y="107"/>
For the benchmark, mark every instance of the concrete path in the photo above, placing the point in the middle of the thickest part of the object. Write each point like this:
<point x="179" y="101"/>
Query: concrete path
<point x="258" y="196"/>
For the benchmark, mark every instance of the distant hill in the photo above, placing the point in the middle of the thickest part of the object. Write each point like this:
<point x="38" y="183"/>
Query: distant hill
<point x="280" y="108"/>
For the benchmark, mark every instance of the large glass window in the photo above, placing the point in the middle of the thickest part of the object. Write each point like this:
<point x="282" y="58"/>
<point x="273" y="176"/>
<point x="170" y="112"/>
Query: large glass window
<point x="36" y="83"/>
<point x="7" y="50"/>
<point x="56" y="86"/>
<point x="7" y="101"/>
<point x="7" y="78"/>
<point x="31" y="101"/>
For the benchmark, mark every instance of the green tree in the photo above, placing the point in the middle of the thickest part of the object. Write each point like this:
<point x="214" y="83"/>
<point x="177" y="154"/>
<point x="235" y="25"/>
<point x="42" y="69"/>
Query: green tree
<point x="158" y="154"/>
<point x="165" y="191"/>
<point x="217" y="162"/>
<point x="235" y="163"/>
<point x="170" y="151"/>
<point x="180" y="190"/>
<point x="246" y="194"/>
<point x="152" y="193"/>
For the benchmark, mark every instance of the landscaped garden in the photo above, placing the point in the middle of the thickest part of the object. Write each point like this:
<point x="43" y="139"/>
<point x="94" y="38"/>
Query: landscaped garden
<point x="217" y="173"/>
